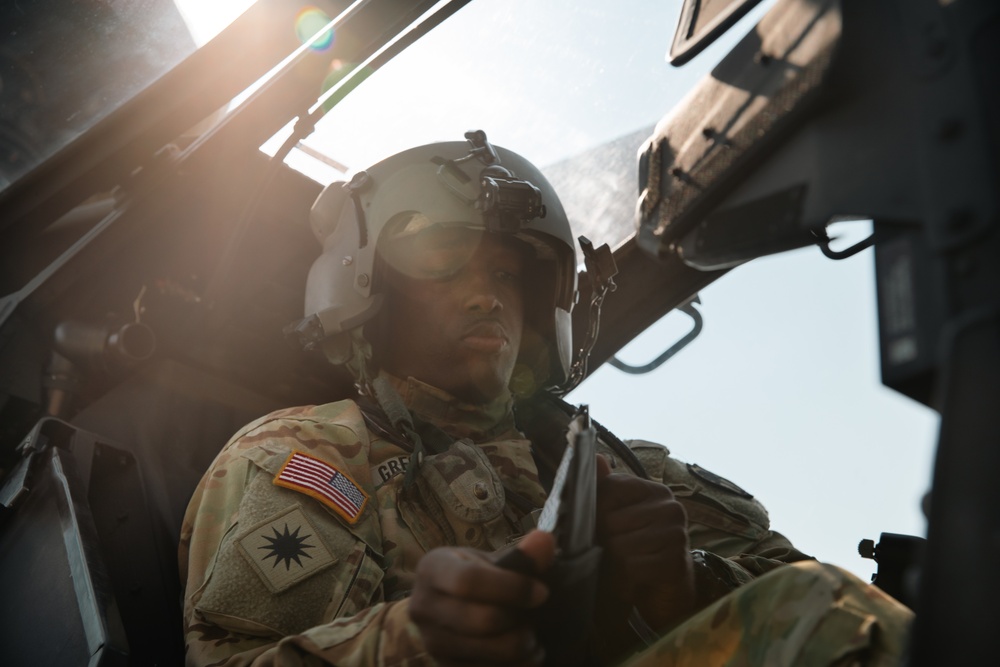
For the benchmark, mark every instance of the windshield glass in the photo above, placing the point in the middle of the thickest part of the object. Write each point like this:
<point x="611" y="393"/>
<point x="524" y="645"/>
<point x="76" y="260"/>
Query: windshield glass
<point x="66" y="65"/>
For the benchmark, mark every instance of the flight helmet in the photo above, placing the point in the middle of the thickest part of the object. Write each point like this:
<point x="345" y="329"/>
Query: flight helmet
<point x="471" y="184"/>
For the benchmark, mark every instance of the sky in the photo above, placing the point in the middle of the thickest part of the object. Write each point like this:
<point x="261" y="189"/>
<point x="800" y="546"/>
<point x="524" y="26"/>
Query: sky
<point x="781" y="392"/>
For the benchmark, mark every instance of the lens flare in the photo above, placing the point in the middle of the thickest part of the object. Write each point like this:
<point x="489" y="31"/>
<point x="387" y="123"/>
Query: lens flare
<point x="308" y="22"/>
<point x="338" y="70"/>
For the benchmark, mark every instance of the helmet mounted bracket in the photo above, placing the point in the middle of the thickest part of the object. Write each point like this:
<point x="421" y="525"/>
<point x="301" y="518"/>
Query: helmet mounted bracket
<point x="506" y="202"/>
<point x="601" y="271"/>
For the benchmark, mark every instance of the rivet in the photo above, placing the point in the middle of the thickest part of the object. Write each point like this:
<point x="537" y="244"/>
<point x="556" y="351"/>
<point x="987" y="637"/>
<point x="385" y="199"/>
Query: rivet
<point x="480" y="491"/>
<point x="363" y="280"/>
<point x="347" y="261"/>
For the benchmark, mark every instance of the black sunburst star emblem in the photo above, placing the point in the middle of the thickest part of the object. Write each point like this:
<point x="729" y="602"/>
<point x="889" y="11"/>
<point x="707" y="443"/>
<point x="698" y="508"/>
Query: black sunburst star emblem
<point x="287" y="547"/>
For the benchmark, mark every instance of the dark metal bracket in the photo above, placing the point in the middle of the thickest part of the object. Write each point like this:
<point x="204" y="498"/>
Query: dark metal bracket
<point x="823" y="241"/>
<point x="698" y="322"/>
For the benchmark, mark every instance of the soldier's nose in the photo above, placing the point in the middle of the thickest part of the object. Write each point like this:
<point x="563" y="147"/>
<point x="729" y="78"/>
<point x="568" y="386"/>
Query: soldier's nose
<point x="482" y="295"/>
<point x="483" y="302"/>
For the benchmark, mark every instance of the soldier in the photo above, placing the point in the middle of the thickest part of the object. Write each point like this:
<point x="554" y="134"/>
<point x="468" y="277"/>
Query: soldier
<point x="367" y="531"/>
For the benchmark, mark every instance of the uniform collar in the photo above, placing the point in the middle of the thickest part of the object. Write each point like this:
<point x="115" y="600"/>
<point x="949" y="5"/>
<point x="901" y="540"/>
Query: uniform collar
<point x="458" y="419"/>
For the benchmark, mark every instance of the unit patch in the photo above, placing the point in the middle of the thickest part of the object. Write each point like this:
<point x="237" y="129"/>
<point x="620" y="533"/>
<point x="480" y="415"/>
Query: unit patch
<point x="285" y="549"/>
<point x="320" y="480"/>
<point x="386" y="470"/>
<point x="716" y="480"/>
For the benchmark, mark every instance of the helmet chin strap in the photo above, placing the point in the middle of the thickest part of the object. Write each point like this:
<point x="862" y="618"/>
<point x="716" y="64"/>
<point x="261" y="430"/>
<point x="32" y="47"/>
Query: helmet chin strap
<point x="371" y="384"/>
<point x="402" y="421"/>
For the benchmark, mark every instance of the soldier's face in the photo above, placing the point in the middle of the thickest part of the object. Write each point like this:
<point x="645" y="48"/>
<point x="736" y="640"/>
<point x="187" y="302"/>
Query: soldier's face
<point x="455" y="312"/>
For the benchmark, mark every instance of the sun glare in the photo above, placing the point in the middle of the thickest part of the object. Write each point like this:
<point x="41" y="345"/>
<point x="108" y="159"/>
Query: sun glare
<point x="205" y="20"/>
<point x="309" y="21"/>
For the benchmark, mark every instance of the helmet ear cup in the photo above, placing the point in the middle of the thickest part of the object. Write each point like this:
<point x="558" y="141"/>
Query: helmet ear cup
<point x="336" y="292"/>
<point x="324" y="216"/>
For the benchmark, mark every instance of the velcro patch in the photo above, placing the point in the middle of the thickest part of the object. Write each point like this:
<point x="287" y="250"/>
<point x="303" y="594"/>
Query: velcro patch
<point x="285" y="549"/>
<point x="717" y="480"/>
<point x="320" y="480"/>
<point x="386" y="470"/>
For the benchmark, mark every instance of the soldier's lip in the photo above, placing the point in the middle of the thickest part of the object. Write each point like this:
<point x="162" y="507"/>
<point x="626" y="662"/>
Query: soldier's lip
<point x="486" y="337"/>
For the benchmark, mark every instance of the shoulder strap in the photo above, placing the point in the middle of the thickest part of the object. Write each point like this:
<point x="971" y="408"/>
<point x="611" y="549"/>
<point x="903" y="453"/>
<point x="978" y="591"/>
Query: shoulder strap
<point x="544" y="418"/>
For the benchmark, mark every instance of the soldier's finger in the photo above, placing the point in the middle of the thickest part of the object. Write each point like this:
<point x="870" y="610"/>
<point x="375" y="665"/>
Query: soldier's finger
<point x="531" y="556"/>
<point x="603" y="467"/>
<point x="540" y="547"/>
<point x="650" y="514"/>
<point x="470" y="576"/>
<point x="619" y="490"/>
<point x="658" y="539"/>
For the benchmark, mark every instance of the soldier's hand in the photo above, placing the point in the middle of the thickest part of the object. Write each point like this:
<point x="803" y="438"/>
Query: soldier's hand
<point x="647" y="561"/>
<point x="471" y="611"/>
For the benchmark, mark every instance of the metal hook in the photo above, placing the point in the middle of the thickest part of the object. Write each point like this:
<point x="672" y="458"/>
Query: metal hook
<point x="823" y="241"/>
<point x="689" y="309"/>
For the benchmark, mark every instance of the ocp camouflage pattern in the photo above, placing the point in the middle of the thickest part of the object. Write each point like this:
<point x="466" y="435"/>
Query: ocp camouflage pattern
<point x="807" y="614"/>
<point x="276" y="577"/>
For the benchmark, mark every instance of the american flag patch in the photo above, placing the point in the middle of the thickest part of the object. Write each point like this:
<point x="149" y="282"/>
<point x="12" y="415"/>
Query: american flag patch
<point x="323" y="482"/>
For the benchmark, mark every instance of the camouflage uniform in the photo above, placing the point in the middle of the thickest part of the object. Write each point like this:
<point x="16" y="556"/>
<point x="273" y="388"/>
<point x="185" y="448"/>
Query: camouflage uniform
<point x="805" y="615"/>
<point x="277" y="571"/>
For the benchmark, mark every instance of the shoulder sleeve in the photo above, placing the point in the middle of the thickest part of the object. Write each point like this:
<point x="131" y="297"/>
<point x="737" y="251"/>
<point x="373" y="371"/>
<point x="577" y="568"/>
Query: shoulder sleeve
<point x="728" y="528"/>
<point x="723" y="518"/>
<point x="272" y="569"/>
